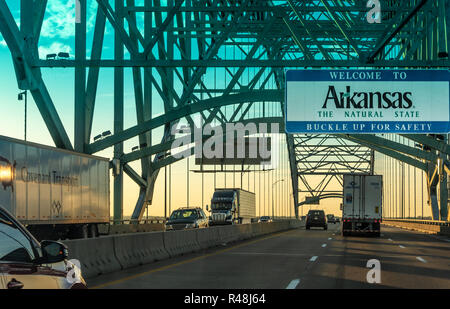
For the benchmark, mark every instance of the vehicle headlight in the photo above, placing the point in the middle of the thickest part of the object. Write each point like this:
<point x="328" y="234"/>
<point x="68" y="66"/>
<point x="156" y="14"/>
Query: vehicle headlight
<point x="169" y="227"/>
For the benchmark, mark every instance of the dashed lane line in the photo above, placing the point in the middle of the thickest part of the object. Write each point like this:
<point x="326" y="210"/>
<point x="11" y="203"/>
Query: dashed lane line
<point x="314" y="258"/>
<point x="421" y="259"/>
<point x="293" y="284"/>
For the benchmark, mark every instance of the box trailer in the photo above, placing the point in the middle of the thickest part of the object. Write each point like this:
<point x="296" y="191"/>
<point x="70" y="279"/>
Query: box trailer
<point x="362" y="204"/>
<point x="232" y="206"/>
<point x="56" y="193"/>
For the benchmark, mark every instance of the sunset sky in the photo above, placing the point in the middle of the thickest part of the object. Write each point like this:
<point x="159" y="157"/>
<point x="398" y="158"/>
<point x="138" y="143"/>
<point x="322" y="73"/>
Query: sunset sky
<point x="58" y="35"/>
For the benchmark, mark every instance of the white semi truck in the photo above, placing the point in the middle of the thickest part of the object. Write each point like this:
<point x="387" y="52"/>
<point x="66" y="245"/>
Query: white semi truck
<point x="56" y="193"/>
<point x="232" y="206"/>
<point x="362" y="204"/>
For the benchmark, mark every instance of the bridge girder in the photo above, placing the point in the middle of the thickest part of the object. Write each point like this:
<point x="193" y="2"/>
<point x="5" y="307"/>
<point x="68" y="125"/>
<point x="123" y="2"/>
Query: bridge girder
<point x="175" y="49"/>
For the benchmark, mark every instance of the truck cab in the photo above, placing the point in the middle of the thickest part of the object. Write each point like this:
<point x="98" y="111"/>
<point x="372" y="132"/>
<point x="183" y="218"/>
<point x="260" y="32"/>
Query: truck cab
<point x="223" y="208"/>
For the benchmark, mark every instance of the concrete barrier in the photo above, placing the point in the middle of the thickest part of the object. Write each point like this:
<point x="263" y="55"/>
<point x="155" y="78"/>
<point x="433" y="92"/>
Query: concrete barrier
<point x="229" y="233"/>
<point x="96" y="255"/>
<point x="256" y="229"/>
<point x="244" y="231"/>
<point x="130" y="228"/>
<point x="139" y="249"/>
<point x="112" y="253"/>
<point x="208" y="238"/>
<point x="180" y="242"/>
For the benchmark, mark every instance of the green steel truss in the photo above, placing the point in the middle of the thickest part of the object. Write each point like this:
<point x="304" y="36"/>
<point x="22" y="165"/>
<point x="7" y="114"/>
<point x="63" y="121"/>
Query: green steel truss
<point x="200" y="56"/>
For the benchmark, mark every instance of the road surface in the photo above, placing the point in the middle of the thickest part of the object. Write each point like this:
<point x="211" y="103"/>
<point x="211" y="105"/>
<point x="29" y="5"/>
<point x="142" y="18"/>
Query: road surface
<point x="300" y="259"/>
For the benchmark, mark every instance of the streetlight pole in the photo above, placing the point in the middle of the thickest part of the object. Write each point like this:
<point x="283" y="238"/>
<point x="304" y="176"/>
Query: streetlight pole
<point x="273" y="213"/>
<point x="20" y="98"/>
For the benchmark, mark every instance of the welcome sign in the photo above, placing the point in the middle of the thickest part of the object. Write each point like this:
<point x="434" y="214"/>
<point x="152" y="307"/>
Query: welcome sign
<point x="367" y="101"/>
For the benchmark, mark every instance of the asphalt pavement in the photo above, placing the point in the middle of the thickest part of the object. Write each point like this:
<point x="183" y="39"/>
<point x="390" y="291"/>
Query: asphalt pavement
<point x="301" y="259"/>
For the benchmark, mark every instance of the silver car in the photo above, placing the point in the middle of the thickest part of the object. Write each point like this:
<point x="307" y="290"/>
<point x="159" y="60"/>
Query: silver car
<point x="27" y="264"/>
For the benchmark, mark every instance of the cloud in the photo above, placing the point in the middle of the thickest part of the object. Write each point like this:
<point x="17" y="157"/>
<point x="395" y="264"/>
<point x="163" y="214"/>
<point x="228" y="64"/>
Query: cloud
<point x="59" y="19"/>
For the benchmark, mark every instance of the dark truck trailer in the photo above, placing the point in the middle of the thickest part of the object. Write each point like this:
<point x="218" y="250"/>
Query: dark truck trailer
<point x="56" y="193"/>
<point x="362" y="204"/>
<point x="232" y="206"/>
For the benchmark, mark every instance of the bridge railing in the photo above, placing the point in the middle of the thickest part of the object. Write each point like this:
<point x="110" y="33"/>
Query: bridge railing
<point x="418" y="221"/>
<point x="427" y="226"/>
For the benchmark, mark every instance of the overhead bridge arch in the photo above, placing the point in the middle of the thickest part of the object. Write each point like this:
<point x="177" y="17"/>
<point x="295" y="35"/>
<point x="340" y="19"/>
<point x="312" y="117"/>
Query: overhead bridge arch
<point x="320" y="197"/>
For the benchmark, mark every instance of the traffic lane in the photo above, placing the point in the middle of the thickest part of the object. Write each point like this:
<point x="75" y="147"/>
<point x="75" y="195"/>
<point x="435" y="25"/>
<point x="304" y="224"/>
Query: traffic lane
<point x="267" y="263"/>
<point x="430" y="257"/>
<point x="345" y="264"/>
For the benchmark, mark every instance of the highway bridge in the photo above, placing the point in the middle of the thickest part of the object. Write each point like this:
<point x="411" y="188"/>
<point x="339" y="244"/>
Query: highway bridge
<point x="125" y="80"/>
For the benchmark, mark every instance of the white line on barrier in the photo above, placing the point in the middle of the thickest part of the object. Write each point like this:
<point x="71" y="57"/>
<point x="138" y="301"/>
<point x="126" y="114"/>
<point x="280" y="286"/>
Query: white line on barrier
<point x="390" y="239"/>
<point x="401" y="246"/>
<point x="421" y="259"/>
<point x="324" y="245"/>
<point x="293" y="284"/>
<point x="314" y="258"/>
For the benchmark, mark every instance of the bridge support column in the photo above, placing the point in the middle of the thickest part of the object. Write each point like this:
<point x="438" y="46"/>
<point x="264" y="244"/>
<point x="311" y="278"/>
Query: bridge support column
<point x="432" y="181"/>
<point x="443" y="189"/>
<point x="118" y="117"/>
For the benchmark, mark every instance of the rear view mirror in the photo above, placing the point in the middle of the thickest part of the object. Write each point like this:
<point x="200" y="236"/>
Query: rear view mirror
<point x="53" y="252"/>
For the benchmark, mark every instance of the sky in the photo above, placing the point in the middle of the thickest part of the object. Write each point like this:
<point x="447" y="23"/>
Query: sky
<point x="58" y="36"/>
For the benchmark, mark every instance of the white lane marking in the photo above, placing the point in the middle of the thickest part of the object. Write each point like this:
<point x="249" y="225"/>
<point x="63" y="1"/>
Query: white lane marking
<point x="324" y="245"/>
<point x="439" y="238"/>
<point x="314" y="258"/>
<point x="390" y="239"/>
<point x="268" y="254"/>
<point x="330" y="238"/>
<point x="293" y="284"/>
<point x="403" y="247"/>
<point x="421" y="259"/>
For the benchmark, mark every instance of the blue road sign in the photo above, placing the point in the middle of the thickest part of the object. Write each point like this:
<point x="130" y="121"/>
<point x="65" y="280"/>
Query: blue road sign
<point x="367" y="101"/>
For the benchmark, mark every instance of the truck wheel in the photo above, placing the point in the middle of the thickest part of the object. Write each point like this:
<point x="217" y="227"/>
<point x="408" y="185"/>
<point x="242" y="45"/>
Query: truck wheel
<point x="81" y="232"/>
<point x="93" y="231"/>
<point x="307" y="227"/>
<point x="325" y="227"/>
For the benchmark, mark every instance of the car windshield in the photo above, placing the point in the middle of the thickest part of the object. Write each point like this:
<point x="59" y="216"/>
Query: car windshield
<point x="220" y="206"/>
<point x="14" y="246"/>
<point x="184" y="214"/>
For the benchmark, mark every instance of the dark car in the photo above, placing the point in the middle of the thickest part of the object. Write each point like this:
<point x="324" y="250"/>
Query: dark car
<point x="265" y="219"/>
<point x="331" y="219"/>
<point x="186" y="218"/>
<point x="316" y="218"/>
<point x="27" y="264"/>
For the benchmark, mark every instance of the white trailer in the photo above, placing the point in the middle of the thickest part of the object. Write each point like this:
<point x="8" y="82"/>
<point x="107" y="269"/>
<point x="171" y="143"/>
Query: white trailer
<point x="231" y="206"/>
<point x="56" y="193"/>
<point x="362" y="204"/>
